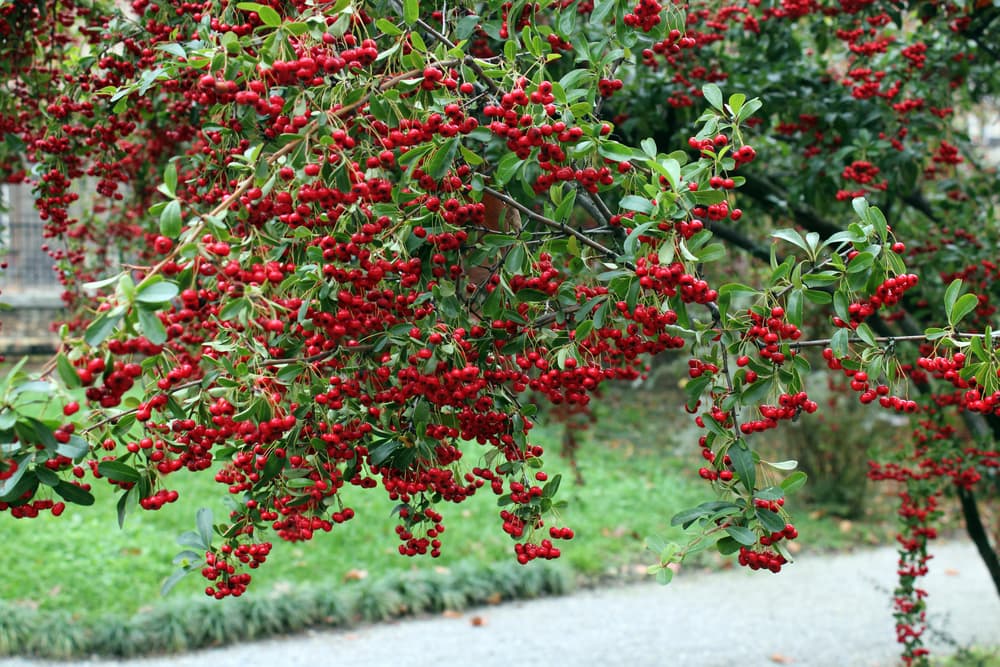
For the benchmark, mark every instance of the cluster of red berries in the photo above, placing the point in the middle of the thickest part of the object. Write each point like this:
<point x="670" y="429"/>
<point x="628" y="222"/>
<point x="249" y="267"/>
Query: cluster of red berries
<point x="219" y="569"/>
<point x="158" y="499"/>
<point x="30" y="509"/>
<point x="114" y="384"/>
<point x="860" y="382"/>
<point x="789" y="407"/>
<point x="419" y="545"/>
<point x="527" y="551"/>
<point x="645" y="15"/>
<point x="887" y="294"/>
<point x="768" y="331"/>
<point x="761" y="560"/>
<point x="608" y="87"/>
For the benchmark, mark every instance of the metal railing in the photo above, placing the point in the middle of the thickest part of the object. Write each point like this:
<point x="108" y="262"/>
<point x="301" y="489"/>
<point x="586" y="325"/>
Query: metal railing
<point x="28" y="266"/>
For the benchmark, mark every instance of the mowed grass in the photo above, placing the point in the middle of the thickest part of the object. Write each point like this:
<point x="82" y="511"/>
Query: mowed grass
<point x="639" y="465"/>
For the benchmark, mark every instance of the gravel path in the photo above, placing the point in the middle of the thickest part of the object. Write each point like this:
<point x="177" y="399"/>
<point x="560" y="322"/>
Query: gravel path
<point x="825" y="611"/>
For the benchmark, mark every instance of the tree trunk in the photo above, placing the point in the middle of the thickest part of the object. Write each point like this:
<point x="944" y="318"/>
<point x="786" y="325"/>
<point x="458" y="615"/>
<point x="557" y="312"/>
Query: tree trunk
<point x="974" y="526"/>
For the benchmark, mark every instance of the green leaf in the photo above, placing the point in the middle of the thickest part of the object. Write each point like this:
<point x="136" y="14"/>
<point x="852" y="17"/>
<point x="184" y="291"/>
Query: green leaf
<point x="790" y="464"/>
<point x="173" y="580"/>
<point x="506" y="168"/>
<point x="388" y="27"/>
<point x="267" y="15"/>
<point x="861" y="262"/>
<point x="127" y="501"/>
<point x="192" y="539"/>
<point x="152" y="326"/>
<point x="711" y="253"/>
<point x="552" y="486"/>
<point x="860" y="205"/>
<point x="103" y="326"/>
<point x="713" y="95"/>
<point x="794" y="482"/>
<point x="636" y="203"/>
<point x="656" y="544"/>
<point x="965" y="305"/>
<point x="233" y="309"/>
<point x="744" y="536"/>
<point x="118" y="471"/>
<point x="157" y="292"/>
<point x="10" y="484"/>
<point x="514" y="261"/>
<point x="380" y="454"/>
<point x="840" y="343"/>
<point x="770" y="493"/>
<point x="411" y="11"/>
<point x="75" y="449"/>
<point x="648" y="146"/>
<point x="866" y="334"/>
<point x="170" y="178"/>
<point x="531" y="295"/>
<point x="877" y="219"/>
<point x="951" y="295"/>
<point x="671" y="169"/>
<point x="686" y="517"/>
<point x="443" y="159"/>
<point x="793" y="311"/>
<point x="727" y="545"/>
<point x="615" y="151"/>
<point x="632" y="240"/>
<point x="203" y="520"/>
<point x="743" y="464"/>
<point x="664" y="576"/>
<point x="792" y="237"/>
<point x="736" y="101"/>
<point x="72" y="493"/>
<point x="170" y="219"/>
<point x="772" y="521"/>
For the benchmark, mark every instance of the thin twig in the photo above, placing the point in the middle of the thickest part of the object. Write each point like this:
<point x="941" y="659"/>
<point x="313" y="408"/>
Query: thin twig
<point x="549" y="222"/>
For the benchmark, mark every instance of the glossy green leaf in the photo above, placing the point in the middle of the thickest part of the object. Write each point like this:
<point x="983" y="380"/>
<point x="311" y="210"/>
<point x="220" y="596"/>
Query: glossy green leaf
<point x="170" y="219"/>
<point x="118" y="471"/>
<point x="743" y="464"/>
<point x="157" y="292"/>
<point x="712" y="95"/>
<point x="962" y="307"/>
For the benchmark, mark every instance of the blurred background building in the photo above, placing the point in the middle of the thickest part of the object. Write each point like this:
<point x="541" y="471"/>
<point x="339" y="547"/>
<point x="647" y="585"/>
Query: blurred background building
<point x="28" y="285"/>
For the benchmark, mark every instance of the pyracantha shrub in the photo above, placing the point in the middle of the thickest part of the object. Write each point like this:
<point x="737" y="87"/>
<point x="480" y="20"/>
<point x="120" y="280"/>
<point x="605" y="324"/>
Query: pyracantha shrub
<point x="315" y="247"/>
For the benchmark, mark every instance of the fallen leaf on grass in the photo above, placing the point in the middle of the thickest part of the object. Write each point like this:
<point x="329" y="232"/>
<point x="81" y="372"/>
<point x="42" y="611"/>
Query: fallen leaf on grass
<point x="845" y="526"/>
<point x="494" y="598"/>
<point x="781" y="659"/>
<point x="355" y="575"/>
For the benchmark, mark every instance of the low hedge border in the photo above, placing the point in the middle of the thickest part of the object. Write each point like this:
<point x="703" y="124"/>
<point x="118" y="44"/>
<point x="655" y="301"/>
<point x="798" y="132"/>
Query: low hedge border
<point x="175" y="626"/>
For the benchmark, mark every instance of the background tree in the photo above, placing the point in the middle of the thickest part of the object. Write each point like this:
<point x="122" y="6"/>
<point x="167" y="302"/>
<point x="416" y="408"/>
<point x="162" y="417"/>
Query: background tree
<point x="371" y="235"/>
